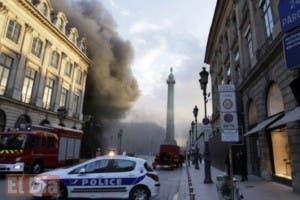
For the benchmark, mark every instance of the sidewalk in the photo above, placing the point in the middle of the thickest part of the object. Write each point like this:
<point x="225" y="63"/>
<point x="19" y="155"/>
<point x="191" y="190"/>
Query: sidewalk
<point x="256" y="188"/>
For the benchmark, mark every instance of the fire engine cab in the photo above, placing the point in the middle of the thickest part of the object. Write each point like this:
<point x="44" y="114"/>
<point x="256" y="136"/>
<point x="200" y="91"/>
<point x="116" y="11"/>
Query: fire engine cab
<point x="39" y="147"/>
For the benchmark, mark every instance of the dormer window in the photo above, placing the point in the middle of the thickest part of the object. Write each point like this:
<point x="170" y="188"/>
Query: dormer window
<point x="73" y="35"/>
<point x="44" y="9"/>
<point x="73" y="38"/>
<point x="60" y="24"/>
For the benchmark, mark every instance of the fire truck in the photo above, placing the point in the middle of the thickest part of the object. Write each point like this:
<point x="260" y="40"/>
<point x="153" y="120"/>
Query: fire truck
<point x="39" y="147"/>
<point x="169" y="156"/>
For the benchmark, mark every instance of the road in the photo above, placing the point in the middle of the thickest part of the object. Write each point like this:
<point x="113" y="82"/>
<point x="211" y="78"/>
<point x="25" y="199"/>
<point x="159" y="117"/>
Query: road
<point x="169" y="179"/>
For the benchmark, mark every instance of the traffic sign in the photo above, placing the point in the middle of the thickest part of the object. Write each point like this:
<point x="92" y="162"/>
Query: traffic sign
<point x="289" y="14"/>
<point x="228" y="113"/>
<point x="230" y="136"/>
<point x="205" y="121"/>
<point x="291" y="43"/>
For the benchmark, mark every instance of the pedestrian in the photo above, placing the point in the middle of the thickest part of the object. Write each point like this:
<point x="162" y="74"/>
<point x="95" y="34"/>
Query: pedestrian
<point x="200" y="157"/>
<point x="227" y="164"/>
<point x="242" y="164"/>
<point x="188" y="158"/>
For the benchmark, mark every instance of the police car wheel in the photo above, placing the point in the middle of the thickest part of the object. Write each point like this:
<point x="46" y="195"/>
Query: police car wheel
<point x="140" y="193"/>
<point x="63" y="193"/>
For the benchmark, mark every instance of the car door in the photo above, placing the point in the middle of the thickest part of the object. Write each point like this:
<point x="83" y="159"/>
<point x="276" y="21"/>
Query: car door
<point x="88" y="180"/>
<point x="123" y="175"/>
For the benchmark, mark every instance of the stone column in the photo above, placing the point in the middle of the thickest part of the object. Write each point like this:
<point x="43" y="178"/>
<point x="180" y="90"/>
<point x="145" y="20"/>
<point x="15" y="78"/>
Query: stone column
<point x="170" y="111"/>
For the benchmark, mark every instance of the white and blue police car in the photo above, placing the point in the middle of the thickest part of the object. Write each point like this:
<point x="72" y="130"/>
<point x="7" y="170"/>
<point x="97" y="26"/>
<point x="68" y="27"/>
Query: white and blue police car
<point x="110" y="177"/>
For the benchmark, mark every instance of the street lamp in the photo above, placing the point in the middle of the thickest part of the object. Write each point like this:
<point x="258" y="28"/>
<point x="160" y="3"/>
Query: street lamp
<point x="120" y="140"/>
<point x="203" y="83"/>
<point x="190" y="149"/>
<point x="195" y="112"/>
<point x="193" y="138"/>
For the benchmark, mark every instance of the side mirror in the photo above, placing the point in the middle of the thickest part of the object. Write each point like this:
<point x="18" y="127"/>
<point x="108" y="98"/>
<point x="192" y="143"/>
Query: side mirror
<point x="82" y="171"/>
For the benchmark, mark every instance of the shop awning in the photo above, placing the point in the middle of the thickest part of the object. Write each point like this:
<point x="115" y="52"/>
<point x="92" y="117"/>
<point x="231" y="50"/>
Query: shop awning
<point x="291" y="116"/>
<point x="264" y="124"/>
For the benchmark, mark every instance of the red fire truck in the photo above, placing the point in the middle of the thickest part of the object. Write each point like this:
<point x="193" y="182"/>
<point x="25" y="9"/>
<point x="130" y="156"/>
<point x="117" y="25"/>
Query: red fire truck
<point x="168" y="156"/>
<point x="39" y="147"/>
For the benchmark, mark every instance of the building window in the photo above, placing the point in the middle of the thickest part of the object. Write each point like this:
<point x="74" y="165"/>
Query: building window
<point x="249" y="44"/>
<point x="54" y="59"/>
<point x="228" y="75"/>
<point x="268" y="17"/>
<point x="5" y="66"/>
<point x="28" y="85"/>
<point x="236" y="56"/>
<point x="238" y="73"/>
<point x="23" y="122"/>
<point x="13" y="31"/>
<point x="63" y="97"/>
<point x="79" y="77"/>
<point x="37" y="46"/>
<point x="2" y="120"/>
<point x="76" y="101"/>
<point x="281" y="153"/>
<point x="68" y="69"/>
<point x="48" y="93"/>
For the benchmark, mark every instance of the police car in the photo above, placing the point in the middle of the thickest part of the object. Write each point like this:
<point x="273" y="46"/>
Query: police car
<point x="104" y="177"/>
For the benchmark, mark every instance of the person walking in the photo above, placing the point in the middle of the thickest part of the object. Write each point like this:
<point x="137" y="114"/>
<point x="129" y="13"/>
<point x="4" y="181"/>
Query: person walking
<point x="200" y="157"/>
<point x="227" y="164"/>
<point x="242" y="164"/>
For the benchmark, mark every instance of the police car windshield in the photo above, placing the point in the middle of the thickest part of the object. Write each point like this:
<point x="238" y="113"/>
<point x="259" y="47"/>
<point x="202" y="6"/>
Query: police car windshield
<point x="12" y="141"/>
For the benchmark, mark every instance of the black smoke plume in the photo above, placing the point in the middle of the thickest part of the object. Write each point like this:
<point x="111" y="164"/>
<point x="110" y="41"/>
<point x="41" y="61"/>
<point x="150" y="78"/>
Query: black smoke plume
<point x="111" y="87"/>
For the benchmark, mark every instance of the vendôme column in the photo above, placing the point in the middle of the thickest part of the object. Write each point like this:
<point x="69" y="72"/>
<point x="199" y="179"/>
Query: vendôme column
<point x="170" y="111"/>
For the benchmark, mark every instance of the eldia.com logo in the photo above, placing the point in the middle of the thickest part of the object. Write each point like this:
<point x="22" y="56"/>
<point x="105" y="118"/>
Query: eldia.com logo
<point x="30" y="185"/>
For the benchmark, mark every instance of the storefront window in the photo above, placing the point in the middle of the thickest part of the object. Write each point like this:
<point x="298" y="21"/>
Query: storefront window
<point x="279" y="137"/>
<point x="281" y="153"/>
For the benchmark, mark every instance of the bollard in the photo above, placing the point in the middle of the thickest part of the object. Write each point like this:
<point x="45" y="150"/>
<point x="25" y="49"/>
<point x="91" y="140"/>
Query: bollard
<point x="193" y="197"/>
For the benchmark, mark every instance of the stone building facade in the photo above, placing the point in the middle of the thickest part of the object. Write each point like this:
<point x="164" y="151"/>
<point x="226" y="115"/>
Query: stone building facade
<point x="245" y="48"/>
<point x="43" y="65"/>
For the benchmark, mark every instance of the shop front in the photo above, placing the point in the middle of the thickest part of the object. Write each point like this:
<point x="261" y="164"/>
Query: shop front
<point x="281" y="154"/>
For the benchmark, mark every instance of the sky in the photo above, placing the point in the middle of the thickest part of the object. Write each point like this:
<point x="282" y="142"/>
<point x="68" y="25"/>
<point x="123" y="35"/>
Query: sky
<point x="165" y="34"/>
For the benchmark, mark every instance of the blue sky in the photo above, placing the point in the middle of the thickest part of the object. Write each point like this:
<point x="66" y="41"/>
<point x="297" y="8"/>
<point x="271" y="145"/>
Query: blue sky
<point x="164" y="34"/>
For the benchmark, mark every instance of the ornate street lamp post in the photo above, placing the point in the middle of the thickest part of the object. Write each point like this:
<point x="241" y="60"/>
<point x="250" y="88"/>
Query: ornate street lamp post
<point x="193" y="139"/>
<point x="203" y="83"/>
<point x="195" y="112"/>
<point x="120" y="134"/>
<point x="190" y="149"/>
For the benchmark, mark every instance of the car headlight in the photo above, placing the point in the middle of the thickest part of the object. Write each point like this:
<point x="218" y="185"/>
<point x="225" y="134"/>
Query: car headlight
<point x="111" y="153"/>
<point x="18" y="166"/>
<point x="18" y="159"/>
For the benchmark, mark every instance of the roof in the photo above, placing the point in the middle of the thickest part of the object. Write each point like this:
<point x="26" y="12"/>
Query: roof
<point x="218" y="16"/>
